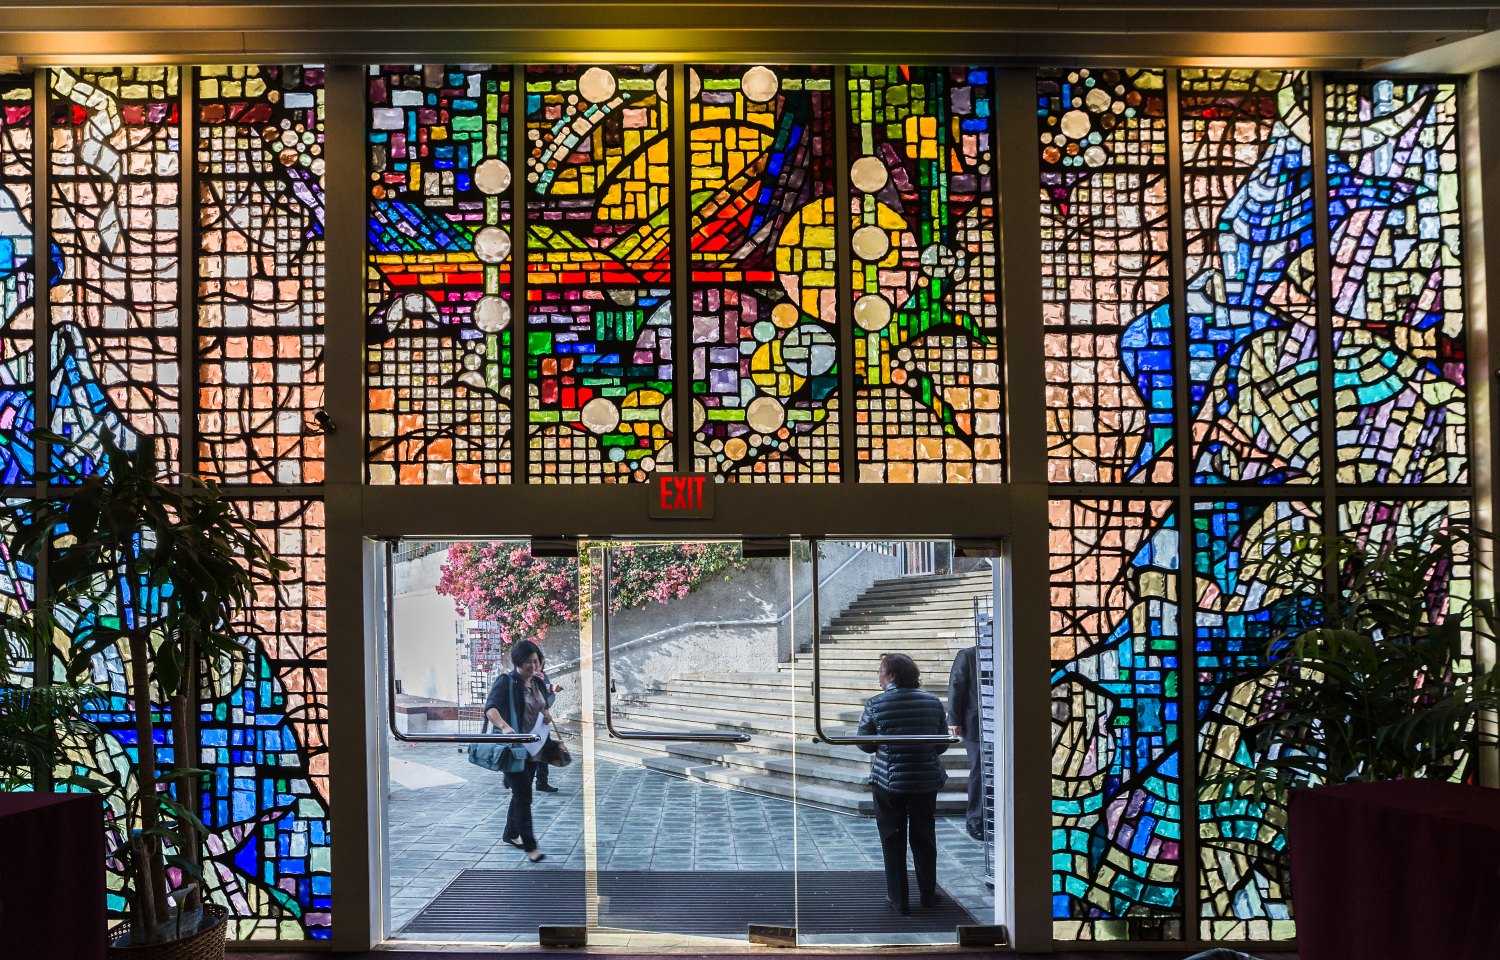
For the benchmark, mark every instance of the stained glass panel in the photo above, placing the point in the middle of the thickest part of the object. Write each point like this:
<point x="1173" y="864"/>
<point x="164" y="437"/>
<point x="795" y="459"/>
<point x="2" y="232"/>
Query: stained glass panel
<point x="116" y="233"/>
<point x="439" y="274"/>
<point x="267" y="744"/>
<point x="1241" y="839"/>
<point x="924" y="258"/>
<point x="1109" y="373"/>
<point x="1116" y="816"/>
<point x="765" y="370"/>
<point x="17" y="283"/>
<point x="599" y="273"/>
<point x="1397" y="284"/>
<point x="1251" y="319"/>
<point x="260" y="273"/>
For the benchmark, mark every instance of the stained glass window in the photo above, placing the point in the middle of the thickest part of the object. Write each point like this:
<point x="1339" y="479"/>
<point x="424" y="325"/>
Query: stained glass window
<point x="765" y="358"/>
<point x="1116" y="816"/>
<point x="599" y="272"/>
<point x="1108" y="335"/>
<point x="116" y="229"/>
<point x="117" y="235"/>
<point x="1241" y="839"/>
<point x="439" y="360"/>
<point x="260" y="273"/>
<point x="926" y="314"/>
<point x="17" y="283"/>
<point x="1397" y="286"/>
<point x="1248" y="201"/>
<point x="266" y="745"/>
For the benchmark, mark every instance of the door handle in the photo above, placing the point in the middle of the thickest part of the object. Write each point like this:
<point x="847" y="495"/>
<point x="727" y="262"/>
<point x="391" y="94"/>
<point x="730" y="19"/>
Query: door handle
<point x="680" y="736"/>
<point x="853" y="739"/>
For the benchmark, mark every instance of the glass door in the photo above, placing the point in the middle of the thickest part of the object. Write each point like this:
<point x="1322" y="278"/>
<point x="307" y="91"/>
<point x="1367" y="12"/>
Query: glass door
<point x="690" y="750"/>
<point x="892" y="845"/>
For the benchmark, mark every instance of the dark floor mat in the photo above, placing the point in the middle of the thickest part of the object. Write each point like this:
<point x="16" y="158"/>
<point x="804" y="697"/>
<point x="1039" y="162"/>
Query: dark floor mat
<point x="703" y="902"/>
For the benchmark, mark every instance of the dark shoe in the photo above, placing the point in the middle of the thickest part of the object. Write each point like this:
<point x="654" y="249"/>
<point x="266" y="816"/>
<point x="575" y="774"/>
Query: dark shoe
<point x="932" y="900"/>
<point x="977" y="832"/>
<point x="900" y="908"/>
<point x="546" y="788"/>
<point x="515" y="842"/>
<point x="536" y="856"/>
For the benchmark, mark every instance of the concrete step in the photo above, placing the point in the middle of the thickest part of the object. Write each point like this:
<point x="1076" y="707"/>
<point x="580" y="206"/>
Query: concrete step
<point x="668" y="717"/>
<point x="782" y="696"/>
<point x="832" y="795"/>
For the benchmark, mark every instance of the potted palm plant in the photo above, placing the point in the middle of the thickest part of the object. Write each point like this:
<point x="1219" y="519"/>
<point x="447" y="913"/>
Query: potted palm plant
<point x="1372" y="672"/>
<point x="1373" y="705"/>
<point x="158" y="574"/>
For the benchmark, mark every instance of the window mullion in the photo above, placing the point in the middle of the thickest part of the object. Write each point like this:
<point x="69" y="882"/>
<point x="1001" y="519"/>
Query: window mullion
<point x="1187" y="726"/>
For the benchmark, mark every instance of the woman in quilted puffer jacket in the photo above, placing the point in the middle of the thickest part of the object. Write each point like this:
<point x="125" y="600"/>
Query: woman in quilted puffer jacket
<point x="905" y="777"/>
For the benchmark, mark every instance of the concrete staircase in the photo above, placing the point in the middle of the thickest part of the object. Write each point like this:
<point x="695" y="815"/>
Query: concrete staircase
<point x="930" y="618"/>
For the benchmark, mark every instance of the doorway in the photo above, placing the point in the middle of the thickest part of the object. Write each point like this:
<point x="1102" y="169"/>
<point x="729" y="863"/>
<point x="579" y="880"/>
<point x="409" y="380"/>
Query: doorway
<point x="712" y="798"/>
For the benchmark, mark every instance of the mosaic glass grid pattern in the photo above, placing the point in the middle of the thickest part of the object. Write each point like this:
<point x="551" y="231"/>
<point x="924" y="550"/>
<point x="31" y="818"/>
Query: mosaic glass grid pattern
<point x="1105" y="235"/>
<point x="764" y="311"/>
<point x="1241" y="839"/>
<point x="267" y="744"/>
<point x="17" y="283"/>
<point x="1251" y="315"/>
<point x="438" y="368"/>
<point x="1116" y="814"/>
<point x="926" y="314"/>
<point x="599" y="357"/>
<point x="1397" y="284"/>
<point x="260" y="273"/>
<point x="115" y="179"/>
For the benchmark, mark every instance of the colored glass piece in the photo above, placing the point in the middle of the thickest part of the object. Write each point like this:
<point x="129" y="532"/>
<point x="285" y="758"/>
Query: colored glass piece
<point x="764" y="316"/>
<point x="115" y="221"/>
<point x="1116" y="815"/>
<point x="439" y="274"/>
<point x="1398" y="286"/>
<point x="1241" y="836"/>
<point x="924" y="258"/>
<point x="17" y="283"/>
<point x="599" y="343"/>
<point x="1108" y="339"/>
<point x="1252" y="342"/>
<point x="260" y="273"/>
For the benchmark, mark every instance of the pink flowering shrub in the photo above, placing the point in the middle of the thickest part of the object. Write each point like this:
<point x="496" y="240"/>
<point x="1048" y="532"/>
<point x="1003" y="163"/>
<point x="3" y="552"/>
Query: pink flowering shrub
<point x="524" y="595"/>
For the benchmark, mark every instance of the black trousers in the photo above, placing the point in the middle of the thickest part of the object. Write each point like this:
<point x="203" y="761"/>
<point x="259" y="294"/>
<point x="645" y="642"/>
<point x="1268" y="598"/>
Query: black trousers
<point x="974" y="816"/>
<point x="518" y="817"/>
<point x="541" y="774"/>
<point x="903" y="818"/>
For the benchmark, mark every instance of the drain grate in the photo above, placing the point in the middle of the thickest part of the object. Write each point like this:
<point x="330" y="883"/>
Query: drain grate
<point x="704" y="902"/>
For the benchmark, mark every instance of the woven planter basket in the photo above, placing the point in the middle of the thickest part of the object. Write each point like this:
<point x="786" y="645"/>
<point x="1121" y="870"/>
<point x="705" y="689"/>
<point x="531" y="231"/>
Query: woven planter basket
<point x="206" y="944"/>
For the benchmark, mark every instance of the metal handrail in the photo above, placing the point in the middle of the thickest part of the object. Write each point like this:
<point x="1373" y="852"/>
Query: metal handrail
<point x="855" y="739"/>
<point x="658" y="735"/>
<point x="390" y="675"/>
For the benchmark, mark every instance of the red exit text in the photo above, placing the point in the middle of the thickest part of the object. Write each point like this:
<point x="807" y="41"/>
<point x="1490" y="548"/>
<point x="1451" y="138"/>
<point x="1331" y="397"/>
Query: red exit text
<point x="682" y="495"/>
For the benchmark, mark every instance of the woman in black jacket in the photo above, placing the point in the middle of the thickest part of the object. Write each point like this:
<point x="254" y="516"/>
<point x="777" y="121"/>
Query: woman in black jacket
<point x="520" y="694"/>
<point x="905" y="777"/>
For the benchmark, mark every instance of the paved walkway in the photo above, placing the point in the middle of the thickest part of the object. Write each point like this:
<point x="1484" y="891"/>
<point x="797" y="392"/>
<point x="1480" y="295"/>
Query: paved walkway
<point x="446" y="815"/>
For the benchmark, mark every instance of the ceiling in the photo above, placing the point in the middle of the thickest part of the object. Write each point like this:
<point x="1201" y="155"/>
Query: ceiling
<point x="1413" y="36"/>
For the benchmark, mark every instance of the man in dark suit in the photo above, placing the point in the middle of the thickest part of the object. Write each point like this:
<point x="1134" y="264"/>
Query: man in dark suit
<point x="963" y="722"/>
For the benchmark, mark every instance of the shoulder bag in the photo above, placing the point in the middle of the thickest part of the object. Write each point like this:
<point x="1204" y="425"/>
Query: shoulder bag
<point x="500" y="757"/>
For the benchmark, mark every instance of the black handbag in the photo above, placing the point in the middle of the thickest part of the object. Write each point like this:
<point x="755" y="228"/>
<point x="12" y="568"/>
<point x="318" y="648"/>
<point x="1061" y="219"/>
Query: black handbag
<point x="500" y="757"/>
<point x="555" y="753"/>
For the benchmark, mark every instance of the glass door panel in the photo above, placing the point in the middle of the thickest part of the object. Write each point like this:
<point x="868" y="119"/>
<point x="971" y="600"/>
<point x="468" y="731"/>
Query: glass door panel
<point x="689" y="751"/>
<point x="921" y="600"/>
<point x="455" y="612"/>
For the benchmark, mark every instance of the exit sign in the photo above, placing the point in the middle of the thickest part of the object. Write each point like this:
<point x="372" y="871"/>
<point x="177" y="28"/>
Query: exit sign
<point x="681" y="496"/>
